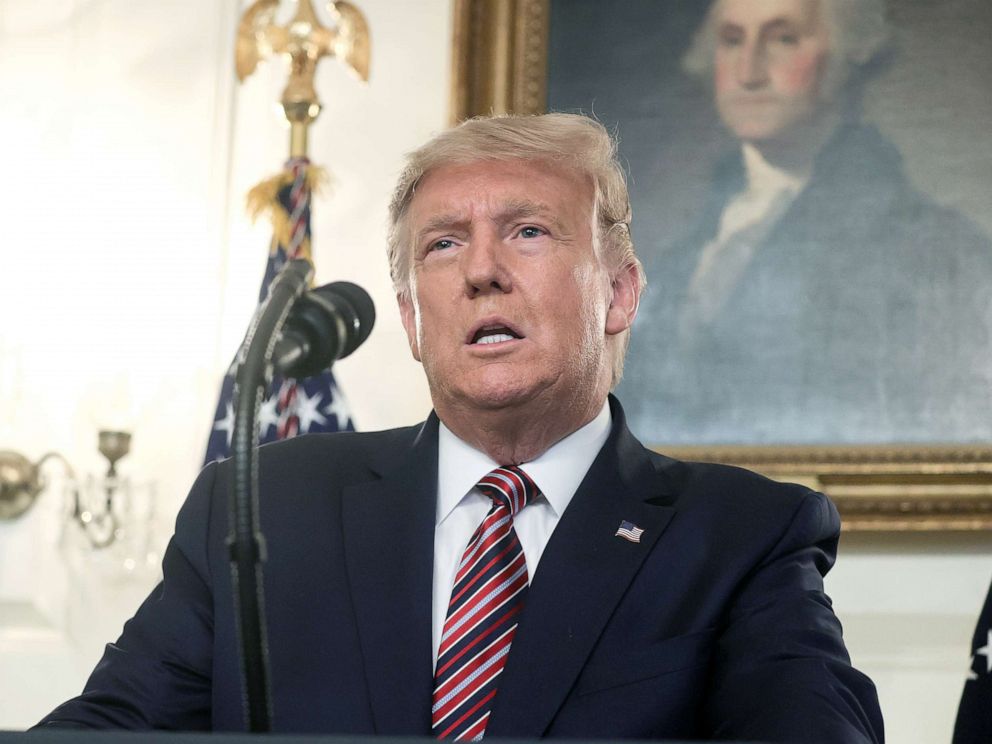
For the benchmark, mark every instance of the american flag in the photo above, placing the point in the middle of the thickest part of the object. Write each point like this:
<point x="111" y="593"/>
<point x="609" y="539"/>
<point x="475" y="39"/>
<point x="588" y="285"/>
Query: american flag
<point x="629" y="531"/>
<point x="292" y="406"/>
<point x="974" y="721"/>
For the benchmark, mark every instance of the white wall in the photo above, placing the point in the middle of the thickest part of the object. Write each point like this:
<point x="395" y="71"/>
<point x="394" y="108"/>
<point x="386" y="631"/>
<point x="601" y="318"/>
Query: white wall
<point x="909" y="604"/>
<point x="129" y="274"/>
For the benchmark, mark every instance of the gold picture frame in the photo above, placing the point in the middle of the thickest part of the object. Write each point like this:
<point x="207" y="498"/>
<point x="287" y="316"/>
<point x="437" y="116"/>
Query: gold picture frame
<point x="500" y="66"/>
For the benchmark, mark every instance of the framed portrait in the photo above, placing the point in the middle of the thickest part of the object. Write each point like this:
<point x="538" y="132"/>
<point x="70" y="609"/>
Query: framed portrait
<point x="811" y="184"/>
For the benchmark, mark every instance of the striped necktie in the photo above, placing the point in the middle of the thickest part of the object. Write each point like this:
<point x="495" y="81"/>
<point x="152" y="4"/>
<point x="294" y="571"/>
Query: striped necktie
<point x="486" y="601"/>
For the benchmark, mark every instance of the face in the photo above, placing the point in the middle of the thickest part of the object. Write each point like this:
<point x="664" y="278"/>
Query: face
<point x="509" y="303"/>
<point x="771" y="60"/>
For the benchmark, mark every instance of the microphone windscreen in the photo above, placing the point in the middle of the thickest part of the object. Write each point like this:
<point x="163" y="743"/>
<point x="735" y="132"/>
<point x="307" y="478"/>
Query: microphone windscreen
<point x="363" y="313"/>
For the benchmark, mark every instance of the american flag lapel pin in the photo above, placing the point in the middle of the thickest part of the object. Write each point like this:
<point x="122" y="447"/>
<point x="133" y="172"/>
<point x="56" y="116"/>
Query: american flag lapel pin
<point x="629" y="531"/>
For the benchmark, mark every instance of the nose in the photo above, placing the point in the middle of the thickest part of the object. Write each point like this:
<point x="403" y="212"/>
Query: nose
<point x="752" y="68"/>
<point x="483" y="264"/>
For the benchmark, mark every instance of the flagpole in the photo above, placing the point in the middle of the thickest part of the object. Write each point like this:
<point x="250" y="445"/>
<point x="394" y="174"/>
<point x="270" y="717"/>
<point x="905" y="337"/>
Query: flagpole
<point x="305" y="41"/>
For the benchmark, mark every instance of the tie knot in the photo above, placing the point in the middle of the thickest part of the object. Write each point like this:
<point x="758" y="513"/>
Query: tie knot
<point x="509" y="486"/>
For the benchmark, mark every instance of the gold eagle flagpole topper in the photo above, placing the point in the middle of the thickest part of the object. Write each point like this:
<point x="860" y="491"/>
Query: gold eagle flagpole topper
<point x="285" y="198"/>
<point x="305" y="41"/>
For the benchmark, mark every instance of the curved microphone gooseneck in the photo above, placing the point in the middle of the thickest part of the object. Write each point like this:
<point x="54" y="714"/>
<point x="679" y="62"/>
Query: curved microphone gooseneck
<point x="299" y="334"/>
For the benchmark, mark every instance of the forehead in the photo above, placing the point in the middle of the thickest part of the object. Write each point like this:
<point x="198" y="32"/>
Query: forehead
<point x="487" y="185"/>
<point x="751" y="13"/>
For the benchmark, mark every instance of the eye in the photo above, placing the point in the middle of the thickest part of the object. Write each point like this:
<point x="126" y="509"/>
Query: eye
<point x="440" y="245"/>
<point x="731" y="37"/>
<point x="531" y="232"/>
<point x="786" y="38"/>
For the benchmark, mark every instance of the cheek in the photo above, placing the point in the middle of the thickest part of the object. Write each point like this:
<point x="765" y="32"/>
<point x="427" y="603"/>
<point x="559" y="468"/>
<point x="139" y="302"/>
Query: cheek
<point x="724" y="78"/>
<point x="592" y="286"/>
<point x="802" y="74"/>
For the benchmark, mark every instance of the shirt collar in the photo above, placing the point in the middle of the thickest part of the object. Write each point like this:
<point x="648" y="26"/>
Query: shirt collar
<point x="558" y="472"/>
<point x="765" y="179"/>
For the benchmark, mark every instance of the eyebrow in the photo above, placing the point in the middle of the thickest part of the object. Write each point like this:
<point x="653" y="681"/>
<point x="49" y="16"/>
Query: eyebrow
<point x="440" y="223"/>
<point x="522" y="208"/>
<point x="779" y="23"/>
<point x="770" y="25"/>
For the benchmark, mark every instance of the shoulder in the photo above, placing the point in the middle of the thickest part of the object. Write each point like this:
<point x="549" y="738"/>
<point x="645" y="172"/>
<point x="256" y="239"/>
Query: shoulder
<point x="363" y="449"/>
<point x="734" y="505"/>
<point x="728" y="486"/>
<point x="722" y="496"/>
<point x="865" y="165"/>
<point x="309" y="466"/>
<point x="299" y="479"/>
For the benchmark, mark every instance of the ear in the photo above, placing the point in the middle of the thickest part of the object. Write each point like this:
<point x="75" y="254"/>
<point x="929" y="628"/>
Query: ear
<point x="626" y="290"/>
<point x="408" y="316"/>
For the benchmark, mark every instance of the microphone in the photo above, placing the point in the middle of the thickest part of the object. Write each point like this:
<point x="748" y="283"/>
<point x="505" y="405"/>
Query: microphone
<point x="325" y="324"/>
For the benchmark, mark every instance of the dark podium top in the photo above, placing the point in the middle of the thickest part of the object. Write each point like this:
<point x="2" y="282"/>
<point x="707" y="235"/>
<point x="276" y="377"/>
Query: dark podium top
<point x="81" y="736"/>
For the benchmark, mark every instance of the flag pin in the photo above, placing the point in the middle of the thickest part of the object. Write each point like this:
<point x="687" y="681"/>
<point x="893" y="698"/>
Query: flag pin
<point x="629" y="531"/>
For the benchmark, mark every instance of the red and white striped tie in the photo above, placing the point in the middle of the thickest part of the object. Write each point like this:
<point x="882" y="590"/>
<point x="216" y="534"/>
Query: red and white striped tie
<point x="486" y="601"/>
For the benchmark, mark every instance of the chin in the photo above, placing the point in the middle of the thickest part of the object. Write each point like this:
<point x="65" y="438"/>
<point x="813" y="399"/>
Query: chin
<point x="502" y="392"/>
<point x="755" y="130"/>
<point x="496" y="398"/>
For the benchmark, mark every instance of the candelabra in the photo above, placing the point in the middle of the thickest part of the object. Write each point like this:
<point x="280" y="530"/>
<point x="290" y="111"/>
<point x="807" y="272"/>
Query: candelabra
<point x="104" y="510"/>
<point x="21" y="481"/>
<point x="98" y="506"/>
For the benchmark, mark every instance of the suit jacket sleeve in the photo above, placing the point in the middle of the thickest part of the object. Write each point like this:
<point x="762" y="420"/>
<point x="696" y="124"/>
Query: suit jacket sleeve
<point x="158" y="673"/>
<point x="781" y="671"/>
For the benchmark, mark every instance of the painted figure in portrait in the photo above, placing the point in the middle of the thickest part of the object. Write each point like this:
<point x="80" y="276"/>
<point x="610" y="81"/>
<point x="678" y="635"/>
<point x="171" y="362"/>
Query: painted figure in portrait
<point x="820" y="292"/>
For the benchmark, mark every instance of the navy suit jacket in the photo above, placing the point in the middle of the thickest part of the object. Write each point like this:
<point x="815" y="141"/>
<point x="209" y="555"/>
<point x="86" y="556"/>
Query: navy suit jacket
<point x="715" y="625"/>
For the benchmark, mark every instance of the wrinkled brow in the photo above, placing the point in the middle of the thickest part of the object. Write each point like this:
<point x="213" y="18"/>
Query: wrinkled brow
<point x="523" y="208"/>
<point x="508" y="211"/>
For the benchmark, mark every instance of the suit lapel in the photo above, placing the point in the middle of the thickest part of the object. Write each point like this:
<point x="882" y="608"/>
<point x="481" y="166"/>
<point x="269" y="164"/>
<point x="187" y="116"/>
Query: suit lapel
<point x="389" y="549"/>
<point x="583" y="574"/>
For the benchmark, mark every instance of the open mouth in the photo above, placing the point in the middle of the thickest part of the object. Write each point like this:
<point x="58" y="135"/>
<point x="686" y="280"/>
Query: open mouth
<point x="494" y="334"/>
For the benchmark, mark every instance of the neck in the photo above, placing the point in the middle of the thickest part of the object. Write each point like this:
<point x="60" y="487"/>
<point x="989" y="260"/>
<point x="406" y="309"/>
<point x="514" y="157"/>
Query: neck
<point x="795" y="152"/>
<point x="516" y="434"/>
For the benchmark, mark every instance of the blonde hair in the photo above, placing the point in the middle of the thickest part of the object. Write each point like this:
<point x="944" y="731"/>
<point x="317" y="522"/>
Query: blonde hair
<point x="574" y="140"/>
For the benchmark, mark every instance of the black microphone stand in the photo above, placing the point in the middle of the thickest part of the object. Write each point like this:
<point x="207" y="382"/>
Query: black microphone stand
<point x="245" y="542"/>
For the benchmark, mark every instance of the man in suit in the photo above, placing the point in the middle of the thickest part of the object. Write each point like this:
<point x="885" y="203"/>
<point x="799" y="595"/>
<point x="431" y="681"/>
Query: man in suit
<point x="519" y="565"/>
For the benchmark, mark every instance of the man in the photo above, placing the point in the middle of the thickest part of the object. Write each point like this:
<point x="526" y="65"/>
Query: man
<point x="519" y="565"/>
<point x="821" y="297"/>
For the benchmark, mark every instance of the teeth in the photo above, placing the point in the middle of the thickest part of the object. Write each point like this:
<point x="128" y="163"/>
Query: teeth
<point x="495" y="338"/>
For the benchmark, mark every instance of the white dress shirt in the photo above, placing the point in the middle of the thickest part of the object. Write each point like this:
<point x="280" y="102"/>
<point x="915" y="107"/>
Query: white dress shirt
<point x="746" y="222"/>
<point x="461" y="507"/>
<point x="767" y="185"/>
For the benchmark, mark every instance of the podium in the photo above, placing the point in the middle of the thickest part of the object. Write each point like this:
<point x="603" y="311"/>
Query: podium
<point x="81" y="736"/>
